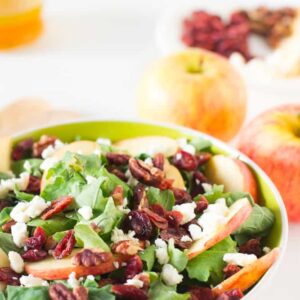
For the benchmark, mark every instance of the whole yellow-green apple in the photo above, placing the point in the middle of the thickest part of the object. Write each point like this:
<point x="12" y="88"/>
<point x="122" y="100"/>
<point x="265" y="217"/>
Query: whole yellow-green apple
<point x="195" y="88"/>
<point x="272" y="140"/>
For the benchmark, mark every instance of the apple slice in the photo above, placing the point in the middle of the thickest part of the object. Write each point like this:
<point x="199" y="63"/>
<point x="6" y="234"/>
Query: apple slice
<point x="5" y="151"/>
<point x="83" y="147"/>
<point x="4" y="262"/>
<point x="232" y="173"/>
<point x="148" y="144"/>
<point x="249" y="275"/>
<point x="239" y="211"/>
<point x="54" y="269"/>
<point x="173" y="173"/>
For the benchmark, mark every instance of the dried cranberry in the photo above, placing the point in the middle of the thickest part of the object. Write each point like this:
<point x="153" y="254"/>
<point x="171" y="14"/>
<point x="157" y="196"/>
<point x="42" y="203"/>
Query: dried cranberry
<point x="59" y="291"/>
<point x="57" y="206"/>
<point x="37" y="241"/>
<point x="34" y="255"/>
<point x="230" y="270"/>
<point x="176" y="234"/>
<point x="80" y="293"/>
<point x="65" y="246"/>
<point x="134" y="266"/>
<point x="129" y="292"/>
<point x="185" y="161"/>
<point x="8" y="276"/>
<point x="174" y="218"/>
<point x="181" y="196"/>
<point x="22" y="150"/>
<point x="201" y="293"/>
<point x="197" y="180"/>
<point x="202" y="205"/>
<point x="119" y="159"/>
<point x="140" y="223"/>
<point x="235" y="294"/>
<point x="159" y="221"/>
<point x="34" y="185"/>
<point x="253" y="246"/>
<point x="89" y="258"/>
<point x="159" y="161"/>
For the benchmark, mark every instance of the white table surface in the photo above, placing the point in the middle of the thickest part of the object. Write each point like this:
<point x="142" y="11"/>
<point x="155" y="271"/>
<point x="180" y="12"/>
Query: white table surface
<point x="91" y="57"/>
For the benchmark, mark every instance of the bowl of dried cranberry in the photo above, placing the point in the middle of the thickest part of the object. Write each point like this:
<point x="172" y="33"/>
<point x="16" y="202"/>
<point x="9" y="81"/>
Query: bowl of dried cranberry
<point x="135" y="210"/>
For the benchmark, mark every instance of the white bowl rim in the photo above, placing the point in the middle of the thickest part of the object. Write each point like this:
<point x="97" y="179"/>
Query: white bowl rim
<point x="220" y="144"/>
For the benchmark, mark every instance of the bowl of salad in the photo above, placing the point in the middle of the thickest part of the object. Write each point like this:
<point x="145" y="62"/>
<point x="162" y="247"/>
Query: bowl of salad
<point x="134" y="210"/>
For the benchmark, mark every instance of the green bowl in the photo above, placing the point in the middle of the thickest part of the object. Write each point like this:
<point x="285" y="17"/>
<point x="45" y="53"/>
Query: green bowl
<point x="117" y="130"/>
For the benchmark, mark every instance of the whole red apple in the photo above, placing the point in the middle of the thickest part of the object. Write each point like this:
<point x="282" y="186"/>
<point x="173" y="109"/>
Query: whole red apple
<point x="197" y="89"/>
<point x="272" y="140"/>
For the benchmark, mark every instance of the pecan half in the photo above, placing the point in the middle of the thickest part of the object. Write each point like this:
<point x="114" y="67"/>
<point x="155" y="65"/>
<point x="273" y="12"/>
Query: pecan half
<point x="119" y="159"/>
<point x="176" y="234"/>
<point x="89" y="258"/>
<point x="57" y="206"/>
<point x="159" y="161"/>
<point x="42" y="144"/>
<point x="80" y="293"/>
<point x="65" y="246"/>
<point x="114" y="170"/>
<point x="145" y="173"/>
<point x="117" y="195"/>
<point x="128" y="247"/>
<point x="129" y="292"/>
<point x="159" y="221"/>
<point x="8" y="276"/>
<point x="59" y="291"/>
<point x="6" y="227"/>
<point x="139" y="197"/>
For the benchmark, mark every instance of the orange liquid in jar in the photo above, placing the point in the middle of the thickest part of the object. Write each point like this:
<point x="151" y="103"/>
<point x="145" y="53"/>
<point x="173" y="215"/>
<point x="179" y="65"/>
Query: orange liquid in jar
<point x="20" y="22"/>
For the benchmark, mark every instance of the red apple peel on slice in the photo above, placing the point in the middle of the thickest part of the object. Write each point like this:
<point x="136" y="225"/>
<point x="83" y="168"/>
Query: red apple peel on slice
<point x="249" y="275"/>
<point x="238" y="214"/>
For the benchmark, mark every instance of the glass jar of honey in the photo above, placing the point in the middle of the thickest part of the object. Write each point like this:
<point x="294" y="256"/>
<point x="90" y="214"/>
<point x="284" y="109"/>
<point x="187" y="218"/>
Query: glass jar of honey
<point x="20" y="22"/>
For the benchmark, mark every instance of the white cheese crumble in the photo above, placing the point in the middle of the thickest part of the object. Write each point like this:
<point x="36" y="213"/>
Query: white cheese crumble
<point x="116" y="264"/>
<point x="86" y="212"/>
<point x="149" y="161"/>
<point x="135" y="282"/>
<point x="90" y="277"/>
<point x="48" y="152"/>
<point x="48" y="163"/>
<point x="20" y="183"/>
<point x="19" y="234"/>
<point x="104" y="141"/>
<point x="207" y="187"/>
<point x="186" y="238"/>
<point x="16" y="261"/>
<point x="123" y="208"/>
<point x="118" y="235"/>
<point x="195" y="231"/>
<point x="27" y="166"/>
<point x="239" y="259"/>
<point x="266" y="250"/>
<point x="170" y="275"/>
<point x="24" y="211"/>
<point x="131" y="180"/>
<point x="161" y="251"/>
<point x="183" y="144"/>
<point x="187" y="211"/>
<point x="31" y="281"/>
<point x="72" y="280"/>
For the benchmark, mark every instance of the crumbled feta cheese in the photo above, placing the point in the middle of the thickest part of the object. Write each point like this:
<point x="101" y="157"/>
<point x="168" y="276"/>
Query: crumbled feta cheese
<point x="86" y="212"/>
<point x="118" y="235"/>
<point x="131" y="180"/>
<point x="161" y="251"/>
<point x="7" y="185"/>
<point x="31" y="281"/>
<point x="116" y="264"/>
<point x="48" y="152"/>
<point x="219" y="207"/>
<point x="266" y="250"/>
<point x="19" y="234"/>
<point x="195" y="231"/>
<point x="186" y="238"/>
<point x="189" y="148"/>
<point x="187" y="211"/>
<point x="148" y="161"/>
<point x="178" y="156"/>
<point x="170" y="275"/>
<point x="239" y="259"/>
<point x="16" y="261"/>
<point x="48" y="163"/>
<point x="123" y="208"/>
<point x="72" y="280"/>
<point x="90" y="277"/>
<point x="182" y="142"/>
<point x="135" y="282"/>
<point x="23" y="211"/>
<point x="27" y="166"/>
<point x="207" y="187"/>
<point x="104" y="141"/>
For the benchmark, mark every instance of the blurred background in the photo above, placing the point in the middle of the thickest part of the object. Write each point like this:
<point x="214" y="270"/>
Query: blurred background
<point x="87" y="58"/>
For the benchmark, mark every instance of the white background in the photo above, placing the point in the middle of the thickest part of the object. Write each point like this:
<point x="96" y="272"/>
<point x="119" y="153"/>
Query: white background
<point x="91" y="57"/>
